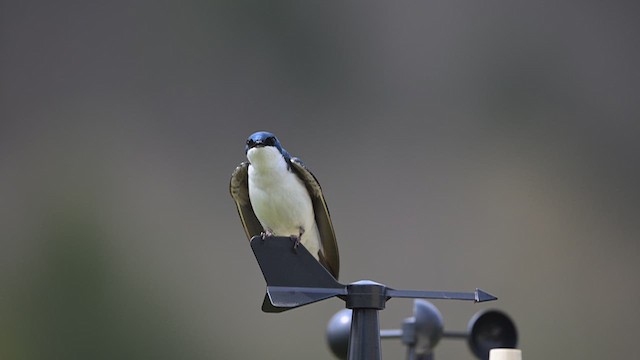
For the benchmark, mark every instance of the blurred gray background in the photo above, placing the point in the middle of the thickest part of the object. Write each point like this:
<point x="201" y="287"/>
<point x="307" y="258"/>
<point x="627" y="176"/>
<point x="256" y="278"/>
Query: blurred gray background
<point x="459" y="145"/>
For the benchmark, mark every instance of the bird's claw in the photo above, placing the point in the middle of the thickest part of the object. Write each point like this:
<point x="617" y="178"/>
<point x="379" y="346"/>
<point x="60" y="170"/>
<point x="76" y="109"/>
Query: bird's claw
<point x="266" y="233"/>
<point x="296" y="242"/>
<point x="296" y="239"/>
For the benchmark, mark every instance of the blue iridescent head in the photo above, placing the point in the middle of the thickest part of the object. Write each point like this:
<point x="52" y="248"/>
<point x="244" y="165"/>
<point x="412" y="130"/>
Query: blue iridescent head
<point x="262" y="139"/>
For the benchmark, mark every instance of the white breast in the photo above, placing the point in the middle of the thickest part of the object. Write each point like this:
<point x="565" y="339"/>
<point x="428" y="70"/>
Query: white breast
<point x="280" y="199"/>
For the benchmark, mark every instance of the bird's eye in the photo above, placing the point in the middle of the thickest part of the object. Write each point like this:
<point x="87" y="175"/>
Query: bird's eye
<point x="270" y="141"/>
<point x="250" y="143"/>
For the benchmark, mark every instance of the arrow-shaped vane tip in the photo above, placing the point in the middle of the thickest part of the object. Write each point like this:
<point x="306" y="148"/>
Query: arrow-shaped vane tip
<point x="482" y="296"/>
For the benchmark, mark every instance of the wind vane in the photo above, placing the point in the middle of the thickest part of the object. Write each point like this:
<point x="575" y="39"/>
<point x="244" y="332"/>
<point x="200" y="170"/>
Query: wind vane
<point x="295" y="278"/>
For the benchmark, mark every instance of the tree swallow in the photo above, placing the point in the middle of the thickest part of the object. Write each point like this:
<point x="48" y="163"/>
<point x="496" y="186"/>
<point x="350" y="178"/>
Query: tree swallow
<point x="277" y="195"/>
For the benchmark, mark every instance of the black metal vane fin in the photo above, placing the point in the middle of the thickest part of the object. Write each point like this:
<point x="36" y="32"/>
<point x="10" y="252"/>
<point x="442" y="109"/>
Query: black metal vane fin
<point x="294" y="277"/>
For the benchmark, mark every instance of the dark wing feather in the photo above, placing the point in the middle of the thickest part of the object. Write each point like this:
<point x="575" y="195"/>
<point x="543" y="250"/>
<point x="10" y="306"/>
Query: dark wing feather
<point x="329" y="256"/>
<point x="239" y="189"/>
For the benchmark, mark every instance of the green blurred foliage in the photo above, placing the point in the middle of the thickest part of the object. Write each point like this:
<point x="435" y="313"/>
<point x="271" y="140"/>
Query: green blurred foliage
<point x="74" y="303"/>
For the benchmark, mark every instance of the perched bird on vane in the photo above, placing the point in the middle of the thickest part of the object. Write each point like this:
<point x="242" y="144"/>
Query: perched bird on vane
<point x="277" y="195"/>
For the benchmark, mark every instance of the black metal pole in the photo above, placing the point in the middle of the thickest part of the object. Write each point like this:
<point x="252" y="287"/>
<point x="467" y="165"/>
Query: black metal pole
<point x="365" y="298"/>
<point x="364" y="343"/>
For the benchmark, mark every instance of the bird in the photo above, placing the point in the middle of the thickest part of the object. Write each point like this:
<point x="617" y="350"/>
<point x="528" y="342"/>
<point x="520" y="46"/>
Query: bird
<point x="277" y="195"/>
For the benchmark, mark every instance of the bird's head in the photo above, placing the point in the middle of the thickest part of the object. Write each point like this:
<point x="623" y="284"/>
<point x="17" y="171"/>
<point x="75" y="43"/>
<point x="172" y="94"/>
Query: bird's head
<point x="263" y="146"/>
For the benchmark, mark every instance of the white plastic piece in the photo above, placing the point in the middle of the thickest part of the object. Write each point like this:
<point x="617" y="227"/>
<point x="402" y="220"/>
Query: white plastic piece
<point x="505" y="354"/>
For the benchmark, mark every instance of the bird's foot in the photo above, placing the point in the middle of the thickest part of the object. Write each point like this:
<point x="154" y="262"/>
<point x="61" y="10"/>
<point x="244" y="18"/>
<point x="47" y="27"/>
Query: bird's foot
<point x="266" y="233"/>
<point x="296" y="242"/>
<point x="296" y="239"/>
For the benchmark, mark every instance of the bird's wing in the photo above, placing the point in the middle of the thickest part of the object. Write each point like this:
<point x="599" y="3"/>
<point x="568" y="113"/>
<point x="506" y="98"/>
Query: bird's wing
<point x="329" y="256"/>
<point x="239" y="188"/>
